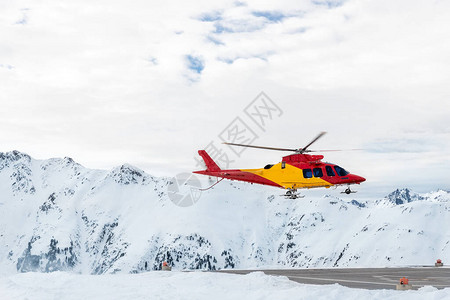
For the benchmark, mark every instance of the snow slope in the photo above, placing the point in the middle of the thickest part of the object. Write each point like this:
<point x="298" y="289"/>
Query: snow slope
<point x="57" y="215"/>
<point x="192" y="285"/>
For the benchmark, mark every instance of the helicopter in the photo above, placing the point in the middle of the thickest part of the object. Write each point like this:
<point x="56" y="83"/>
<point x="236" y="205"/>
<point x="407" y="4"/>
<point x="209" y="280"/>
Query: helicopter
<point x="295" y="171"/>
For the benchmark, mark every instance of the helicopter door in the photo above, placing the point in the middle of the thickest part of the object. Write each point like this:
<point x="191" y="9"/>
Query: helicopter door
<point x="329" y="171"/>
<point x="318" y="172"/>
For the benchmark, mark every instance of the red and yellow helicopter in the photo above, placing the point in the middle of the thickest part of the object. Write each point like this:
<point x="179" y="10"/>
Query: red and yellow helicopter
<point x="295" y="171"/>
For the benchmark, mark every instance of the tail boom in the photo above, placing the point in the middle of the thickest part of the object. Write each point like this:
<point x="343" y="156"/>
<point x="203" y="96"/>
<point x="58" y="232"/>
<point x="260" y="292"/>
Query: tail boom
<point x="212" y="169"/>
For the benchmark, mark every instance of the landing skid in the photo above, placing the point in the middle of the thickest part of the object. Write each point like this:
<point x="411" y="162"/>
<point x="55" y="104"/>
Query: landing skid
<point x="293" y="194"/>
<point x="348" y="191"/>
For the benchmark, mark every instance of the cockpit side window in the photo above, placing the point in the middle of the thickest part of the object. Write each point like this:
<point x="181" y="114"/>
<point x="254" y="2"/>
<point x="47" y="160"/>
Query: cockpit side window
<point x="318" y="172"/>
<point x="329" y="170"/>
<point x="307" y="173"/>
<point x="340" y="171"/>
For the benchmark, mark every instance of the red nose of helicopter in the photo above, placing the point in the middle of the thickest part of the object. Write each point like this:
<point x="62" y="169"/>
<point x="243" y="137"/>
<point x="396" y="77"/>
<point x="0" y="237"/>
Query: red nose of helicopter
<point x="358" y="179"/>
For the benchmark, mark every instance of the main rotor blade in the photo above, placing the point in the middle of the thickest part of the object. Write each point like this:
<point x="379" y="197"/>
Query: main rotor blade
<point x="260" y="147"/>
<point x="302" y="150"/>
<point x="334" y="150"/>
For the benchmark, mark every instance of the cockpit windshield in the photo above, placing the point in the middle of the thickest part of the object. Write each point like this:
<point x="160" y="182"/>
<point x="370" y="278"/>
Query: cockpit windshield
<point x="340" y="171"/>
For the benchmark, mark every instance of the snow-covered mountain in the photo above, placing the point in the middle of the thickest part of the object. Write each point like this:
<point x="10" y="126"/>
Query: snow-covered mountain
<point x="57" y="215"/>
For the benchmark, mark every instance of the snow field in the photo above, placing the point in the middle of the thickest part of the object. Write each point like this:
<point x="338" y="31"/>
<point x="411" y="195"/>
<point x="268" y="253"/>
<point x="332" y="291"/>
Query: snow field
<point x="188" y="286"/>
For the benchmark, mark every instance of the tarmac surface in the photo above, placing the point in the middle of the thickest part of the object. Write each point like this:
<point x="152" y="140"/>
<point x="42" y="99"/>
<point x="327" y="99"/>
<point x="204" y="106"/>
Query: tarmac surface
<point x="364" y="278"/>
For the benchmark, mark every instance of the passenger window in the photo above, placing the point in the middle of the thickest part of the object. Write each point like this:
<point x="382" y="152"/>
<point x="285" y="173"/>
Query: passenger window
<point x="340" y="171"/>
<point x="318" y="172"/>
<point x="307" y="173"/>
<point x="329" y="170"/>
<point x="283" y="164"/>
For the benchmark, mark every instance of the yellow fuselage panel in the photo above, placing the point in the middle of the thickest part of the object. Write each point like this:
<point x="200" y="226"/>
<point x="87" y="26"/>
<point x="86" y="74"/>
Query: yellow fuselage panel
<point x="289" y="177"/>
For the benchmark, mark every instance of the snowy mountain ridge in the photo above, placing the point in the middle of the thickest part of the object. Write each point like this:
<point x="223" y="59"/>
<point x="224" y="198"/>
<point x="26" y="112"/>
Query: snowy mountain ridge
<point x="58" y="215"/>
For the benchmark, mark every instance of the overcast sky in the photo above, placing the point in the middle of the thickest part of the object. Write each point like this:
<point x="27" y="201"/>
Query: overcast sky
<point x="151" y="82"/>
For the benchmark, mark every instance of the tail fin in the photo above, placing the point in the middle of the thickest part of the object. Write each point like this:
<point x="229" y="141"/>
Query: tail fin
<point x="211" y="166"/>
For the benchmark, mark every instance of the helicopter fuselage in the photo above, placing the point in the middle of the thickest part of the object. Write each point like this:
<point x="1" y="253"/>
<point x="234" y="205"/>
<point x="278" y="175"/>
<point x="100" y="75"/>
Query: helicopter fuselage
<point x="295" y="171"/>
